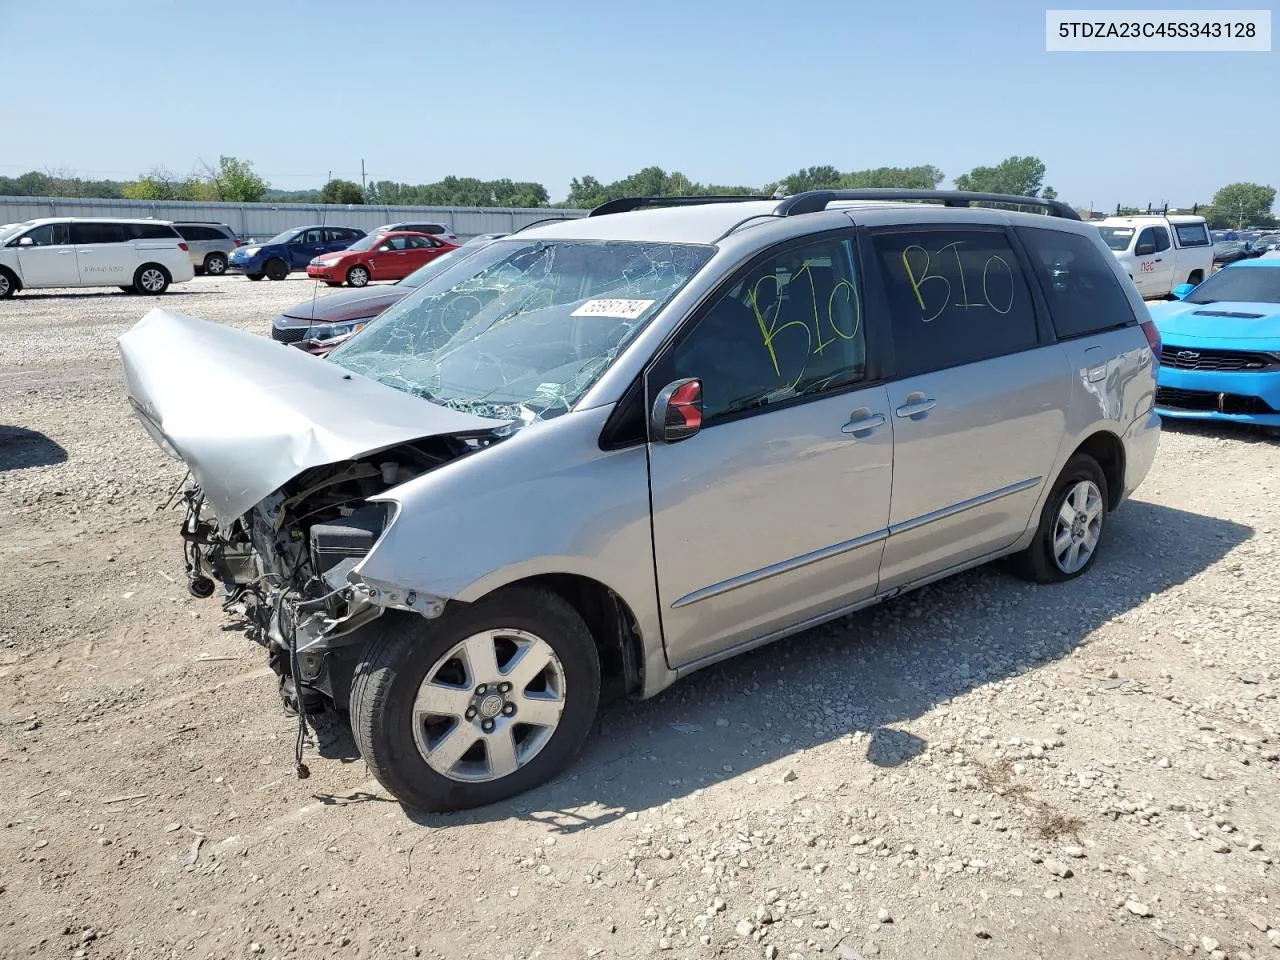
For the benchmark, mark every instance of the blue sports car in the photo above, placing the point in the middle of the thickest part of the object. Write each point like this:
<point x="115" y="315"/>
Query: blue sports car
<point x="1220" y="358"/>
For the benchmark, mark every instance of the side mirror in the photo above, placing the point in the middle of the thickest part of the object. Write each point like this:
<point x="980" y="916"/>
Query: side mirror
<point x="677" y="412"/>
<point x="26" y="242"/>
<point x="1181" y="290"/>
<point x="1144" y="249"/>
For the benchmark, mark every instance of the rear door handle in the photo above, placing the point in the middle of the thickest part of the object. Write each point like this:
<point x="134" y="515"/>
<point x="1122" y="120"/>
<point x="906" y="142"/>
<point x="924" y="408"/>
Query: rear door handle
<point x="862" y="422"/>
<point x="917" y="407"/>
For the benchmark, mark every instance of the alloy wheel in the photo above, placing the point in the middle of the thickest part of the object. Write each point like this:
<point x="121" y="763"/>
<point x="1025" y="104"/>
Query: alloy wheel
<point x="1078" y="526"/>
<point x="489" y="705"/>
<point x="152" y="280"/>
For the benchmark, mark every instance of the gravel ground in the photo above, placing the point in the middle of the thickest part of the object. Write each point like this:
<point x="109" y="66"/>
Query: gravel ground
<point x="981" y="769"/>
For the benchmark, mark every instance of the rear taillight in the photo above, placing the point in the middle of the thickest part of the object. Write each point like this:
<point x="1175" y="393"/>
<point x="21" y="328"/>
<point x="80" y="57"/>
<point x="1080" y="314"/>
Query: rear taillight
<point x="1153" y="338"/>
<point x="183" y="247"/>
<point x="239" y="242"/>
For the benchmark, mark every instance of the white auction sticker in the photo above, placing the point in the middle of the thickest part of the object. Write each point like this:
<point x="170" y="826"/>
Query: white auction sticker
<point x="622" y="309"/>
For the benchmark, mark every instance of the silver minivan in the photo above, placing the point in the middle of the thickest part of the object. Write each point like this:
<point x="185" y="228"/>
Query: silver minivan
<point x="599" y="454"/>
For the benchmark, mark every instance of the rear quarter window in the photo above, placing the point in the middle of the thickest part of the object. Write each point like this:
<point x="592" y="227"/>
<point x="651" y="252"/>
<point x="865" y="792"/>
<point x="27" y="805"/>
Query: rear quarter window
<point x="1078" y="284"/>
<point x="954" y="297"/>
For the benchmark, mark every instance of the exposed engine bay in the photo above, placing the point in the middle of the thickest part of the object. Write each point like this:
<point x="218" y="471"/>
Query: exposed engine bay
<point x="283" y="565"/>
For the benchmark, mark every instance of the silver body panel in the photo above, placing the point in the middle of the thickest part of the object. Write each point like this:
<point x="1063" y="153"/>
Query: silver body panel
<point x="248" y="415"/>
<point x="749" y="530"/>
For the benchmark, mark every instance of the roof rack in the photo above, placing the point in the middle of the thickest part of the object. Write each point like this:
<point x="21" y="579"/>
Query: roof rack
<point x="627" y="204"/>
<point x="534" y="223"/>
<point x="813" y="201"/>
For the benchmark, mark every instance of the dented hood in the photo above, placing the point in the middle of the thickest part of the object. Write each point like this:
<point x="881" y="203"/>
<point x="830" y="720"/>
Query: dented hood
<point x="248" y="414"/>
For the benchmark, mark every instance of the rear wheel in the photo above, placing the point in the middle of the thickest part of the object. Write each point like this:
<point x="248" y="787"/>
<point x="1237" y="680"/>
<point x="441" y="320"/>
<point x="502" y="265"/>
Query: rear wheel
<point x="8" y="284"/>
<point x="358" y="276"/>
<point x="151" y="278"/>
<point x="1070" y="531"/>
<point x="493" y="699"/>
<point x="215" y="264"/>
<point x="277" y="269"/>
<point x="255" y="276"/>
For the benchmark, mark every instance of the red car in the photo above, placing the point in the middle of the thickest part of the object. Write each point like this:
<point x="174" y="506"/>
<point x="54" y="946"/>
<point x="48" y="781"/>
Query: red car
<point x="389" y="256"/>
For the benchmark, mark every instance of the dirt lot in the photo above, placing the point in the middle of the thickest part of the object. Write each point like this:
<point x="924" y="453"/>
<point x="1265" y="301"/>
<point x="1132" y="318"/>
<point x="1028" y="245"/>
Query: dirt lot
<point x="983" y="769"/>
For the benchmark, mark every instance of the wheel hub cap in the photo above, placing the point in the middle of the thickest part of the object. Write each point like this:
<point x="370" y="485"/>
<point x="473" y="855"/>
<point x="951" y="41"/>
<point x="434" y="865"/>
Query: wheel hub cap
<point x="1078" y="526"/>
<point x="489" y="705"/>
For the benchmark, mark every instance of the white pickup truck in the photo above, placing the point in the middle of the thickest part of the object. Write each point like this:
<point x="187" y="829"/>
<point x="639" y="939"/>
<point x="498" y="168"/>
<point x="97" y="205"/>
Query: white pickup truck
<point x="1160" y="252"/>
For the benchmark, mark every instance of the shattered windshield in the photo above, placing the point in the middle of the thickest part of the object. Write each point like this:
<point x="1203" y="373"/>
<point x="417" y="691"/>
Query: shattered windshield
<point x="522" y="328"/>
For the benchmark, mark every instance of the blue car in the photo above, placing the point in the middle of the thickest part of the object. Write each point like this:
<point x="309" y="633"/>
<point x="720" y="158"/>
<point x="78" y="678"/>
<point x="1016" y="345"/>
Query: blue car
<point x="1220" y="356"/>
<point x="289" y="251"/>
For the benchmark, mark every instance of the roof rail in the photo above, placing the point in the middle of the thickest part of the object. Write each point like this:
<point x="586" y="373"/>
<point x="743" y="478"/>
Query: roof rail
<point x="534" y="223"/>
<point x="813" y="201"/>
<point x="627" y="204"/>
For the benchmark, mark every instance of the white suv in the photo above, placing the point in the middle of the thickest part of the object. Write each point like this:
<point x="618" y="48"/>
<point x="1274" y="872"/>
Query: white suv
<point x="138" y="256"/>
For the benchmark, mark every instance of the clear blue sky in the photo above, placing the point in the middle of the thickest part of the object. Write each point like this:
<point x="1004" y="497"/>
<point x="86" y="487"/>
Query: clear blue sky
<point x="742" y="92"/>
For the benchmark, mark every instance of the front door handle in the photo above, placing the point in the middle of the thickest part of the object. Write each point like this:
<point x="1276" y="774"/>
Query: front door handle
<point x="862" y="422"/>
<point x="917" y="407"/>
<point x="1158" y="259"/>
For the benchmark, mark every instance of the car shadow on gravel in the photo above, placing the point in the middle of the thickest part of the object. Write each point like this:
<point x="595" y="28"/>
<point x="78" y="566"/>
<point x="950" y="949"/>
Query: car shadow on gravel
<point x="21" y="449"/>
<point x="865" y="674"/>
<point x="79" y="295"/>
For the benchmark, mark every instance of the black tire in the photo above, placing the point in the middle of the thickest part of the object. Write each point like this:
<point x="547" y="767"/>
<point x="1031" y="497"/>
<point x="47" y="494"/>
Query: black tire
<point x="277" y="269"/>
<point x="255" y="276"/>
<point x="129" y="289"/>
<point x="1037" y="562"/>
<point x="358" y="276"/>
<point x="215" y="264"/>
<point x="8" y="284"/>
<point x="151" y="279"/>
<point x="332" y="283"/>
<point x="402" y="651"/>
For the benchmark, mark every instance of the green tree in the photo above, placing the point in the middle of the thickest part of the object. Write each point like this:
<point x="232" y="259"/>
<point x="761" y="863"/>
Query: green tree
<point x="234" y="181"/>
<point x="1020" y="176"/>
<point x="341" y="191"/>
<point x="812" y="178"/>
<point x="926" y="177"/>
<point x="1242" y="204"/>
<point x="1049" y="193"/>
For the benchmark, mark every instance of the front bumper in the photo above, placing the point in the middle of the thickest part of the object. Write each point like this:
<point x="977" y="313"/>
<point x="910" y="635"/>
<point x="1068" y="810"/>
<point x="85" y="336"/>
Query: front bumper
<point x="329" y="274"/>
<point x="1235" y="397"/>
<point x="246" y="265"/>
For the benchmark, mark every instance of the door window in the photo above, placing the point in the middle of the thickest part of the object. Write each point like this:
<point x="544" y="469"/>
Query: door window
<point x="87" y="233"/>
<point x="1162" y="238"/>
<point x="419" y="243"/>
<point x="1083" y="293"/>
<point x="790" y="327"/>
<point x="954" y="297"/>
<point x="1146" y="238"/>
<point x="313" y="236"/>
<point x="336" y="235"/>
<point x="51" y="234"/>
<point x="148" y="231"/>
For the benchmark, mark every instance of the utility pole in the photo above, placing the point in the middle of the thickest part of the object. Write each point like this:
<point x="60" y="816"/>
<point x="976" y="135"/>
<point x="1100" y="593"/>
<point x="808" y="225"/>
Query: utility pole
<point x="364" y="188"/>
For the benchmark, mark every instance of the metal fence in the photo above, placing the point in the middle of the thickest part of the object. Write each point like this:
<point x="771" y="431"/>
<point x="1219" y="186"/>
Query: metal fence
<point x="262" y="220"/>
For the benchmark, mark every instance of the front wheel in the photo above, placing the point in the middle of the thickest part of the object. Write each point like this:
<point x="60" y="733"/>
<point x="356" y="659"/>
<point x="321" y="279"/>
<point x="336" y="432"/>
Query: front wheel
<point x="358" y="276"/>
<point x="493" y="699"/>
<point x="277" y="270"/>
<point x="151" y="278"/>
<point x="1070" y="529"/>
<point x="7" y="285"/>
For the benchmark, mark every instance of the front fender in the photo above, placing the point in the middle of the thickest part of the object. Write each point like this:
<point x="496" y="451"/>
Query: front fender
<point x="547" y="500"/>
